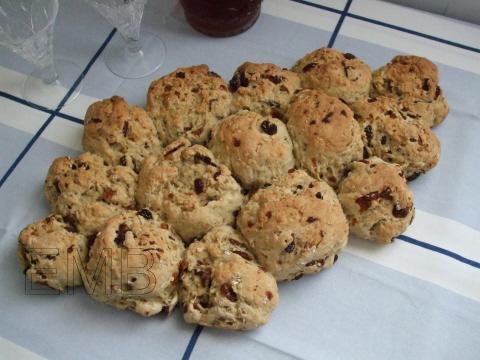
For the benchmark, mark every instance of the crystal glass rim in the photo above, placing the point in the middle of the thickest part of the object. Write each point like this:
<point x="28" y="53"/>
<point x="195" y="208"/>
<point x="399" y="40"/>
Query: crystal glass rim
<point x="50" y="23"/>
<point x="53" y="17"/>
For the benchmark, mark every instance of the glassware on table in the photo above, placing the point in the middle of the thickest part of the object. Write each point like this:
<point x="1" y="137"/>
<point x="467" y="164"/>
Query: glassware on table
<point x="137" y="53"/>
<point x="221" y="18"/>
<point x="26" y="27"/>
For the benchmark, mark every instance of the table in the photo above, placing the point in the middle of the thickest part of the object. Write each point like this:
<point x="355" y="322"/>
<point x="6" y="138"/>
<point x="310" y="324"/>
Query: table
<point x="416" y="299"/>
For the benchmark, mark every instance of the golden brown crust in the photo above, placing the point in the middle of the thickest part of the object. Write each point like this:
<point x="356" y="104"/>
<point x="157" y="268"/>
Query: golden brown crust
<point x="187" y="103"/>
<point x="394" y="136"/>
<point x="257" y="149"/>
<point x="427" y="113"/>
<point x="144" y="255"/>
<point x="294" y="227"/>
<point x="87" y="191"/>
<point x="46" y="251"/>
<point x="189" y="188"/>
<point x="338" y="74"/>
<point x="222" y="285"/>
<point x="406" y="75"/>
<point x="263" y="88"/>
<point x="376" y="200"/>
<point x="415" y="77"/>
<point x="326" y="138"/>
<point x="120" y="133"/>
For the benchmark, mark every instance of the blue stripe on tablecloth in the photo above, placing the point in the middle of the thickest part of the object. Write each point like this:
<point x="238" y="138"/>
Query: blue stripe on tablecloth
<point x="343" y="14"/>
<point x="384" y="24"/>
<point x="57" y="110"/>
<point x="25" y="150"/>
<point x="323" y="7"/>
<point x="25" y="102"/>
<point x="192" y="342"/>
<point x="39" y="107"/>
<point x="339" y="24"/>
<point x="85" y="71"/>
<point x="198" y="329"/>
<point x="439" y="250"/>
<point x="410" y="240"/>
<point x="413" y="32"/>
<point x="69" y="117"/>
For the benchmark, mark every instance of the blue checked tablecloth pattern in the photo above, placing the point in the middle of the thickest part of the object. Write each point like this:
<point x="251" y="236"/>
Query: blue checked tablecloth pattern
<point x="416" y="299"/>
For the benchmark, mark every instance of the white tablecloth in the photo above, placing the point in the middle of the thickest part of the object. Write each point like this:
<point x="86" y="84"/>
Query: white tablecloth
<point x="416" y="299"/>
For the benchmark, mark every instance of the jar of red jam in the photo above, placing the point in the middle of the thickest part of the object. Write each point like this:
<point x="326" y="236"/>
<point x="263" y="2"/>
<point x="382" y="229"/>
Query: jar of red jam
<point x="221" y="18"/>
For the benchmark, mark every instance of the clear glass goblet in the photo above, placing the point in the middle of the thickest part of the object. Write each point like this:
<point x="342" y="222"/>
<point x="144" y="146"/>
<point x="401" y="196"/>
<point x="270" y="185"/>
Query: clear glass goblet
<point x="26" y="27"/>
<point x="138" y="53"/>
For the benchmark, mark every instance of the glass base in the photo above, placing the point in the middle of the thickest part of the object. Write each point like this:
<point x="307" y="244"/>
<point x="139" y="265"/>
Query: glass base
<point x="134" y="65"/>
<point x="49" y="95"/>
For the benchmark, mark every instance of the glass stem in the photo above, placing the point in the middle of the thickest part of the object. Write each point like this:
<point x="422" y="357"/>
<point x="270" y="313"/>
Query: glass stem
<point x="133" y="45"/>
<point x="48" y="73"/>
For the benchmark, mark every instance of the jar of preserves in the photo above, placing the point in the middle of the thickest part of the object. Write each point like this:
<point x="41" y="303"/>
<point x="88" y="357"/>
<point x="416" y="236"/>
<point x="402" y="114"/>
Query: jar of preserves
<point x="221" y="18"/>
